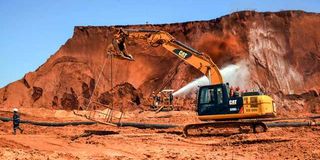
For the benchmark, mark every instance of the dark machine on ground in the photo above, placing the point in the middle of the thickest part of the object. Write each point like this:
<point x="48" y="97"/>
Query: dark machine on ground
<point x="163" y="101"/>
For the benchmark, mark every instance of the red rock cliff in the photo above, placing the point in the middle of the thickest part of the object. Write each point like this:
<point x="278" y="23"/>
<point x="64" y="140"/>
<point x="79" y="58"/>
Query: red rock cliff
<point x="281" y="50"/>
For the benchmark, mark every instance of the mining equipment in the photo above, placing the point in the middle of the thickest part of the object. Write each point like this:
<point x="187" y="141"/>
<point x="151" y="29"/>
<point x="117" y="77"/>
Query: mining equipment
<point x="214" y="103"/>
<point x="162" y="101"/>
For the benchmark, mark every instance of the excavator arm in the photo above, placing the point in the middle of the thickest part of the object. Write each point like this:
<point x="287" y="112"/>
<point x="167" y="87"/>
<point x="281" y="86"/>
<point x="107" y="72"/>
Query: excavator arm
<point x="156" y="38"/>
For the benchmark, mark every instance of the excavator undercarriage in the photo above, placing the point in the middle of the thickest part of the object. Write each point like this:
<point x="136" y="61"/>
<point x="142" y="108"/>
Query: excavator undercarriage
<point x="255" y="126"/>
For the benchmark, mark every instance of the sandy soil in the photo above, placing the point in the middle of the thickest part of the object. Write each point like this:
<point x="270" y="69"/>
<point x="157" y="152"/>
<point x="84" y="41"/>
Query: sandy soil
<point x="130" y="143"/>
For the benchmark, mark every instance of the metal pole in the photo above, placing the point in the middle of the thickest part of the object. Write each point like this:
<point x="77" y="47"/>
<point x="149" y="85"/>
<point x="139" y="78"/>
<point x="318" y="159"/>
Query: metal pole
<point x="95" y="86"/>
<point x="111" y="69"/>
<point x="111" y="83"/>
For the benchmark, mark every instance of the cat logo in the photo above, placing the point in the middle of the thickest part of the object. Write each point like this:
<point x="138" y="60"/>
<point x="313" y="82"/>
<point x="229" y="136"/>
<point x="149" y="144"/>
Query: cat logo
<point x="181" y="53"/>
<point x="232" y="102"/>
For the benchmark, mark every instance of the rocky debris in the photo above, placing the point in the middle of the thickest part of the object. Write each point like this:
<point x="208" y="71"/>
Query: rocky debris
<point x="106" y="98"/>
<point x="55" y="101"/>
<point x="25" y="82"/>
<point x="281" y="50"/>
<point x="87" y="90"/>
<point x="306" y="95"/>
<point x="298" y="104"/>
<point x="69" y="100"/>
<point x="37" y="93"/>
<point x="122" y="95"/>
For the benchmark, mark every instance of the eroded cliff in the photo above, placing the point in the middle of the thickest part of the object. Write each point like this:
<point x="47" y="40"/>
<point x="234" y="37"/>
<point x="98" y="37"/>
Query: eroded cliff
<point x="281" y="51"/>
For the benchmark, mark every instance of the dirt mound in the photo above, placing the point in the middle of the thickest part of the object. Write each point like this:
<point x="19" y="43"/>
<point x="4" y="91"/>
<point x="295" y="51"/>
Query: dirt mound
<point x="300" y="104"/>
<point x="122" y="95"/>
<point x="280" y="49"/>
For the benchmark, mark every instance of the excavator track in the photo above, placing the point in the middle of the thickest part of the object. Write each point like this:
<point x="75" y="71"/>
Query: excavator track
<point x="254" y="125"/>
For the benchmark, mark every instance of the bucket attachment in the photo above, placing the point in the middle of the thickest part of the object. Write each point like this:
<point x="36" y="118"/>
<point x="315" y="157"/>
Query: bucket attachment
<point x="118" y="47"/>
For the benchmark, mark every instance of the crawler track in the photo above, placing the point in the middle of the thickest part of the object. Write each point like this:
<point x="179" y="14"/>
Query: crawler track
<point x="227" y="124"/>
<point x="254" y="124"/>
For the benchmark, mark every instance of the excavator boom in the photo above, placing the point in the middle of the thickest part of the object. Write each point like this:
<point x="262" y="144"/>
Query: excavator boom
<point x="155" y="38"/>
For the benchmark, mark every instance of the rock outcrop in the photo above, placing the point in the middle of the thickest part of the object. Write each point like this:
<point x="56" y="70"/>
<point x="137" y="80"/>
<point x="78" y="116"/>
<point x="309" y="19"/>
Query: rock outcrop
<point x="281" y="51"/>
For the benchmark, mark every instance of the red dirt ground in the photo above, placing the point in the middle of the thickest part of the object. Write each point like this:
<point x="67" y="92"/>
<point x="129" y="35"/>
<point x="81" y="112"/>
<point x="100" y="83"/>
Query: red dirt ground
<point x="131" y="143"/>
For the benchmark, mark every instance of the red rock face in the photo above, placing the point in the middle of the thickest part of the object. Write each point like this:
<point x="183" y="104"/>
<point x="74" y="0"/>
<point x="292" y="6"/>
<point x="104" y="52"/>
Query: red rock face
<point x="281" y="51"/>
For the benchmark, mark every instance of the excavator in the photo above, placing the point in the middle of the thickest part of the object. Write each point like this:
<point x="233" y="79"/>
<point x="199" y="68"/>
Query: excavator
<point x="214" y="103"/>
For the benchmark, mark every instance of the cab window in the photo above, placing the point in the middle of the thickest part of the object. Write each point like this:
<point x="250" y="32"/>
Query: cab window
<point x="207" y="95"/>
<point x="219" y="96"/>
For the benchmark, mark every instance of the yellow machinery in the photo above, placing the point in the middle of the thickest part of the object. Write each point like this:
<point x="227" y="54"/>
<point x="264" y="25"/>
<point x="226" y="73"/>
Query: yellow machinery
<point x="214" y="101"/>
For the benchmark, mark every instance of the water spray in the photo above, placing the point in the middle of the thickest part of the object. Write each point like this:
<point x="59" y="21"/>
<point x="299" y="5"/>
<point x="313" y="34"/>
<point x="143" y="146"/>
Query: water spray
<point x="235" y="74"/>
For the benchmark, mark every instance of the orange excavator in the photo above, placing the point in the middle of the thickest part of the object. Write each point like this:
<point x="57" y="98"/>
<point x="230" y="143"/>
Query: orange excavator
<point x="214" y="103"/>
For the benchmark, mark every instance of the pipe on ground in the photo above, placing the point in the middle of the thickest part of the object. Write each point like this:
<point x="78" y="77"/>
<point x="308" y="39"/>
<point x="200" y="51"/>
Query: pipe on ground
<point x="50" y="124"/>
<point x="122" y="124"/>
<point x="292" y="124"/>
<point x="152" y="125"/>
<point x="147" y="125"/>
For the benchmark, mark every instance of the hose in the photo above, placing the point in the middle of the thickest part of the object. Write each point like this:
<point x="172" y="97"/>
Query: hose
<point x="51" y="124"/>
<point x="122" y="124"/>
<point x="149" y="125"/>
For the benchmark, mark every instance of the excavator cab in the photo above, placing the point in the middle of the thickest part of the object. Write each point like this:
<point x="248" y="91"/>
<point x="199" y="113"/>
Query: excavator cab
<point x="215" y="103"/>
<point x="215" y="100"/>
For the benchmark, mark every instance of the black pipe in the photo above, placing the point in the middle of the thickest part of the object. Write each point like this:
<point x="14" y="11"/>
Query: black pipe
<point x="123" y="124"/>
<point x="52" y="124"/>
<point x="292" y="124"/>
<point x="147" y="125"/>
<point x="152" y="125"/>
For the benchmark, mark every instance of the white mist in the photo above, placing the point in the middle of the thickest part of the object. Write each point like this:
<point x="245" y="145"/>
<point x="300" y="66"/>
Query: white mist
<point x="235" y="74"/>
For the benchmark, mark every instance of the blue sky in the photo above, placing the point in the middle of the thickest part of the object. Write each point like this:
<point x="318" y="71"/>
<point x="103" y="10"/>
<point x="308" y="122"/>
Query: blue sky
<point x="31" y="31"/>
